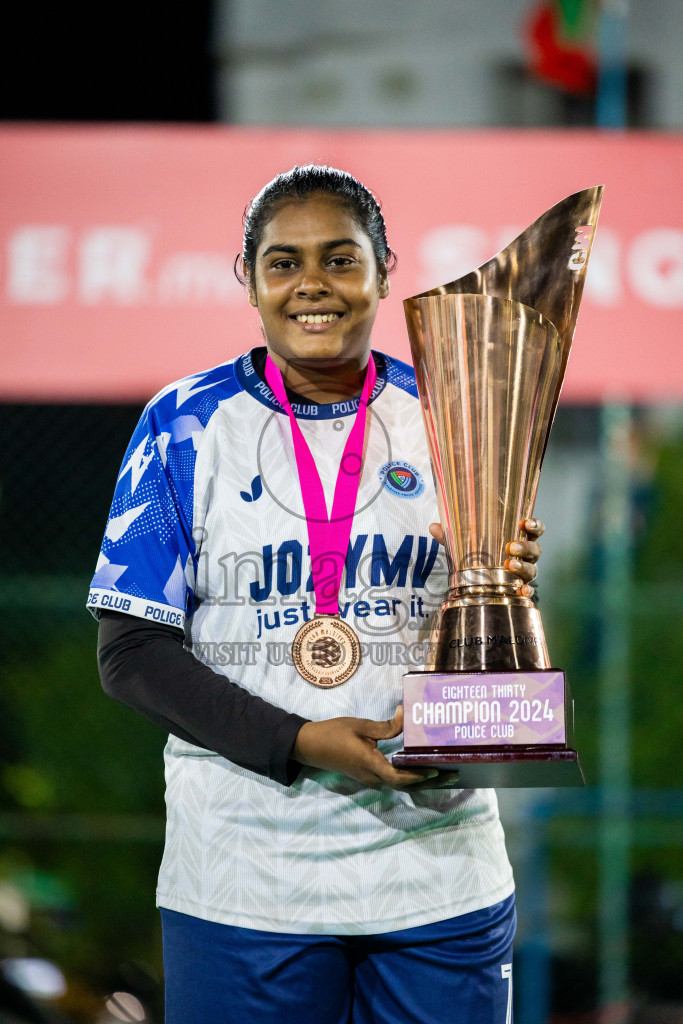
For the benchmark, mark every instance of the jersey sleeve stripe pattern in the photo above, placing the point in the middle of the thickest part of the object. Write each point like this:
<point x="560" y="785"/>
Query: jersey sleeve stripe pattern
<point x="147" y="564"/>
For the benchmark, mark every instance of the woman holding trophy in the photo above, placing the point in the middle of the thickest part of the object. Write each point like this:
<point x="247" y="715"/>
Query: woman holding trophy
<point x="266" y="565"/>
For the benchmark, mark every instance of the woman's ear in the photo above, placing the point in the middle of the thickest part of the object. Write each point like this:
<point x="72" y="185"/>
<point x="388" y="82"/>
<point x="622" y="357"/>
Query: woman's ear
<point x="251" y="290"/>
<point x="383" y="286"/>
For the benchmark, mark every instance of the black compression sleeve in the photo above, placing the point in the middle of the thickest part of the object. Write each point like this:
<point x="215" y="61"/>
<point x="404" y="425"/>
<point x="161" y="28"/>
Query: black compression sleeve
<point x="145" y="666"/>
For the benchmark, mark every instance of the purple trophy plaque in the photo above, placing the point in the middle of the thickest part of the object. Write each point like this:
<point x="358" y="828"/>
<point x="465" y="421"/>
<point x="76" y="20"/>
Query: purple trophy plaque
<point x="486" y="709"/>
<point x="503" y="729"/>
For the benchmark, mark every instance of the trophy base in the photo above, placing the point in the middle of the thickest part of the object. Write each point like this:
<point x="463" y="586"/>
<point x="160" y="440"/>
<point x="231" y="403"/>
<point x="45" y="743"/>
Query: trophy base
<point x="500" y="769"/>
<point x="502" y="729"/>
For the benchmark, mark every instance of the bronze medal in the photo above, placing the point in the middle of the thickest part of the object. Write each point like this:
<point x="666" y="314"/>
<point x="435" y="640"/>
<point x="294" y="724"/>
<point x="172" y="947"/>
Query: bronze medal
<point x="326" y="651"/>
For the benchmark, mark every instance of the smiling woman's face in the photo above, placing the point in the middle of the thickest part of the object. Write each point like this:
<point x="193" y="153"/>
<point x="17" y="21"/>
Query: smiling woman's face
<point x="316" y="285"/>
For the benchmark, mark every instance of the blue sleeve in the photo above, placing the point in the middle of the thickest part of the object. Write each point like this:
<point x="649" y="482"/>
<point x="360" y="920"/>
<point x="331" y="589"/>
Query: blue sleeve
<point x="146" y="565"/>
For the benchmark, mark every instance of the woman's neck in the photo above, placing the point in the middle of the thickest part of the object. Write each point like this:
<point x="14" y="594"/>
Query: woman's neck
<point x="320" y="382"/>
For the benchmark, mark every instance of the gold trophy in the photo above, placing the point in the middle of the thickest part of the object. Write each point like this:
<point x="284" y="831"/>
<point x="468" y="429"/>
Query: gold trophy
<point x="490" y="353"/>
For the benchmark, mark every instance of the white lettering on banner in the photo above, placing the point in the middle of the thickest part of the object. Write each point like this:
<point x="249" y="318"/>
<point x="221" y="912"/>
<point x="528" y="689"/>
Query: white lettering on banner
<point x="36" y="273"/>
<point x="651" y="264"/>
<point x="656" y="267"/>
<point x="112" y="264"/>
<point x="448" y="252"/>
<point x="197" y="277"/>
<point x="603" y="280"/>
<point x="502" y="238"/>
<point x="115" y="265"/>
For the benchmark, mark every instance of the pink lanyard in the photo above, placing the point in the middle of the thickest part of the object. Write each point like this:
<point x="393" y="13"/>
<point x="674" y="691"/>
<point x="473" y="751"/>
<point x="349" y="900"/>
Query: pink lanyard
<point x="328" y="538"/>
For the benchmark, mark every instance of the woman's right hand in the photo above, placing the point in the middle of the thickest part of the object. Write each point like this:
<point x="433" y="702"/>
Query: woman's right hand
<point x="349" y="746"/>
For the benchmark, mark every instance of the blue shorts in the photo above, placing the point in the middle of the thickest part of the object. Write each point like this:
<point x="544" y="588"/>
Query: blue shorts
<point x="453" y="972"/>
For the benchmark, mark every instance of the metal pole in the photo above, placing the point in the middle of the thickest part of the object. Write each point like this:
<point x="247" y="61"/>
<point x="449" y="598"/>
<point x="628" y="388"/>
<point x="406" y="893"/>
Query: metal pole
<point x="615" y="598"/>
<point x="611" y="105"/>
<point x="614" y="717"/>
<point x="533" y="967"/>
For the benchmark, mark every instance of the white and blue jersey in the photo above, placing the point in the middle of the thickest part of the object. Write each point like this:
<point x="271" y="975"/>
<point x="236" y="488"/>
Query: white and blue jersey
<point x="207" y="532"/>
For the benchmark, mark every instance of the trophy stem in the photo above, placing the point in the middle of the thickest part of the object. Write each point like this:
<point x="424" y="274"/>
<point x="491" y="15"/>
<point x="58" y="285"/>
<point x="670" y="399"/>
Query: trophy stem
<point x="482" y="580"/>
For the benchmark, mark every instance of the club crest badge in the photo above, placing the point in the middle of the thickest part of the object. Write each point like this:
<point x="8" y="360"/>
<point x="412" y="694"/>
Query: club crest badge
<point x="401" y="478"/>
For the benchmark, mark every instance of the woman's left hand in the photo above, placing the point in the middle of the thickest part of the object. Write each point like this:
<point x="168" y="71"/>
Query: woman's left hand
<point x="523" y="553"/>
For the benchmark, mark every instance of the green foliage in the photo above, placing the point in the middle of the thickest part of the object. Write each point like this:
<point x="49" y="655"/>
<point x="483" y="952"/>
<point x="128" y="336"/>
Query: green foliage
<point x="88" y="773"/>
<point x="652" y="690"/>
<point x="659" y="556"/>
<point x="656" y="641"/>
<point x="78" y="751"/>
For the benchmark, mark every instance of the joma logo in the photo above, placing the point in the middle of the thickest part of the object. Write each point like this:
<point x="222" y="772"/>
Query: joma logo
<point x="584" y="233"/>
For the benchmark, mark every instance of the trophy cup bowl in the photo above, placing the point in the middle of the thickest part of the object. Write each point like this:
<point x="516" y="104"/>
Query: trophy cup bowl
<point x="490" y="353"/>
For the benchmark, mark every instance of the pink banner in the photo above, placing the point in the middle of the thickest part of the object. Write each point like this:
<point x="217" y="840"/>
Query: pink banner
<point x="118" y="245"/>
